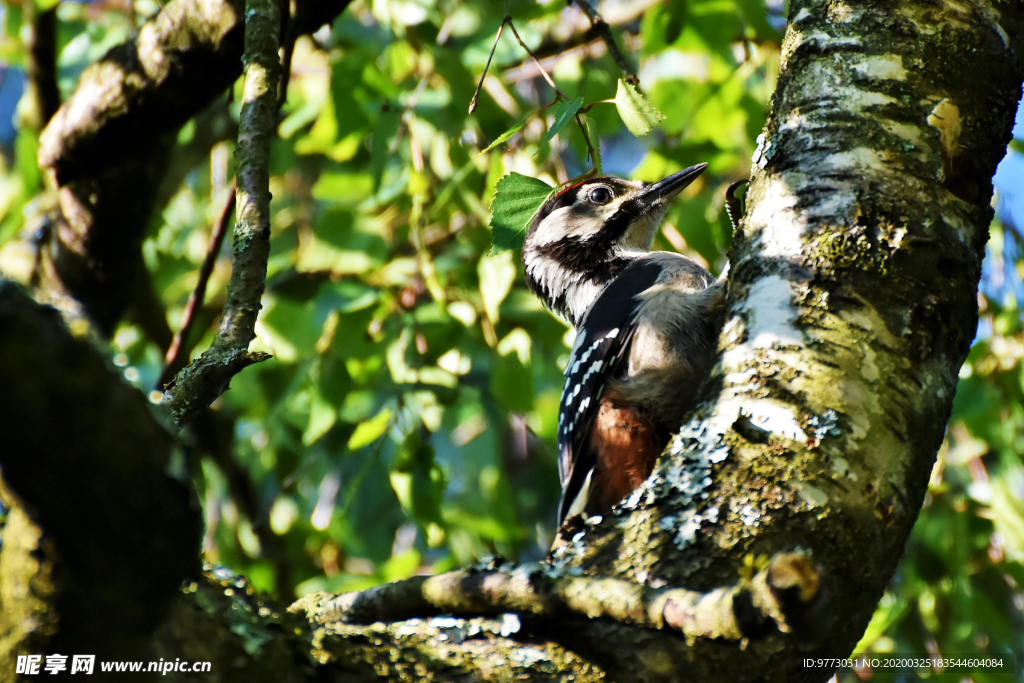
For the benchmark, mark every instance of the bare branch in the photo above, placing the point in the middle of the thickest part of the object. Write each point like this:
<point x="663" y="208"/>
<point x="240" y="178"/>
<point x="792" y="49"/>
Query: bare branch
<point x="177" y="355"/>
<point x="736" y="612"/>
<point x="106" y="149"/>
<point x="544" y="74"/>
<point x="550" y="81"/>
<point x="497" y="37"/>
<point x="205" y="379"/>
<point x="126" y="558"/>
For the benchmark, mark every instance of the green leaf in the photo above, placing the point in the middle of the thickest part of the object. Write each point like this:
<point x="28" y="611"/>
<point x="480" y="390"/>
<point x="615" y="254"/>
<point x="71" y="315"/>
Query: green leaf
<point x="639" y="115"/>
<point x="504" y="136"/>
<point x="511" y="376"/>
<point x="322" y="416"/>
<point x="369" y="431"/>
<point x="517" y="198"/>
<point x="563" y="114"/>
<point x="496" y="272"/>
<point x="595" y="141"/>
<point x="25" y="153"/>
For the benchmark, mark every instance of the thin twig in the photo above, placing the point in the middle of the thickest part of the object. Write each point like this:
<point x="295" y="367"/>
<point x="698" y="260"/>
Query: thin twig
<point x="586" y="137"/>
<point x="527" y="71"/>
<point x="603" y="30"/>
<point x="175" y="357"/>
<point x="497" y="37"/>
<point x="559" y="94"/>
<point x="291" y="34"/>
<point x="544" y="74"/>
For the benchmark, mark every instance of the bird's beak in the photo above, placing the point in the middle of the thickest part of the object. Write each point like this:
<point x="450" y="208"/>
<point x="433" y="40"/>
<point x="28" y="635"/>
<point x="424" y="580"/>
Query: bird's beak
<point x="663" y="191"/>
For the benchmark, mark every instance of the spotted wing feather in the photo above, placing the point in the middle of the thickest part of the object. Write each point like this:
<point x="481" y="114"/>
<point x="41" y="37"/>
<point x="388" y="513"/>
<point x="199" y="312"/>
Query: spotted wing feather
<point x="602" y="347"/>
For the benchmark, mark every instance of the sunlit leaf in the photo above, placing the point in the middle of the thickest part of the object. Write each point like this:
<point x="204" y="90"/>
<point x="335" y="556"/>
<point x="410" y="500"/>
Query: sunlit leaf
<point x="595" y="141"/>
<point x="504" y="136"/>
<point x="639" y="115"/>
<point x="564" y="113"/>
<point x="511" y="379"/>
<point x="322" y="416"/>
<point x="517" y="199"/>
<point x="496" y="272"/>
<point x="369" y="431"/>
<point x="25" y="151"/>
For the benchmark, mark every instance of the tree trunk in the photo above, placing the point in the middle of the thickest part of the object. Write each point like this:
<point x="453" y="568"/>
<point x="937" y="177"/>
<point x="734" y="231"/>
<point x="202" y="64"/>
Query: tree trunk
<point x="852" y="304"/>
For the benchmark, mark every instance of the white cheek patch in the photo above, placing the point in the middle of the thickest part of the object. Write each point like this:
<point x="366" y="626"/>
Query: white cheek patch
<point x="586" y="220"/>
<point x="553" y="225"/>
<point x="579" y="221"/>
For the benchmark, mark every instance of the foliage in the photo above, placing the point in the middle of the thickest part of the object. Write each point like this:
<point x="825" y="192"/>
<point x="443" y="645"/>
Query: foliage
<point x="517" y="198"/>
<point x="637" y="113"/>
<point x="406" y="423"/>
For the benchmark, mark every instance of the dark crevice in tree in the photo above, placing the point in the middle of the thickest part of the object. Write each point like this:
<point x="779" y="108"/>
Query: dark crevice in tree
<point x="84" y="460"/>
<point x="40" y="39"/>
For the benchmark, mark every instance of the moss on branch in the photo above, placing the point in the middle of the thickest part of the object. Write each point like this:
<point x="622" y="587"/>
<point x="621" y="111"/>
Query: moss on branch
<point x="742" y="610"/>
<point x="207" y="377"/>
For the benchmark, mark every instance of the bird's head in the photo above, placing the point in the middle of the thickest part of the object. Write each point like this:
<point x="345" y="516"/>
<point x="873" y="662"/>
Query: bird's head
<point x="585" y="234"/>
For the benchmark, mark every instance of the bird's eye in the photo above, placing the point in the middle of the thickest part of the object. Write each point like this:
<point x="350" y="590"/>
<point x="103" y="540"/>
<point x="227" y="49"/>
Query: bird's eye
<point x="600" y="195"/>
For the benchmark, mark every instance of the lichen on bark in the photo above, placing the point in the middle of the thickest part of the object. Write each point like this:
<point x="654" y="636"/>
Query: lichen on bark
<point x="851" y="307"/>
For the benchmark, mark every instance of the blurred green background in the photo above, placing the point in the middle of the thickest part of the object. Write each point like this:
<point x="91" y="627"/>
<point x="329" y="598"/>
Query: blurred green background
<point x="406" y="423"/>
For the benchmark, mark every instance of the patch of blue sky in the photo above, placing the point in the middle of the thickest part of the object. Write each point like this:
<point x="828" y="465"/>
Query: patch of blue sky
<point x="1001" y="278"/>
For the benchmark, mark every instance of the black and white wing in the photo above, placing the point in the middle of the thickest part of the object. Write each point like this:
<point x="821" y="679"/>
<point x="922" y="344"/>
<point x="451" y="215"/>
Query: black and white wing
<point x="602" y="346"/>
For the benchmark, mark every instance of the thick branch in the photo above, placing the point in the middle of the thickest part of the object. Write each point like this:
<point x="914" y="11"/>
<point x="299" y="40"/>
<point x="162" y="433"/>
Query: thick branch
<point x="851" y="308"/>
<point x="202" y="382"/>
<point x="152" y="84"/>
<point x="85" y="461"/>
<point x="739" y="611"/>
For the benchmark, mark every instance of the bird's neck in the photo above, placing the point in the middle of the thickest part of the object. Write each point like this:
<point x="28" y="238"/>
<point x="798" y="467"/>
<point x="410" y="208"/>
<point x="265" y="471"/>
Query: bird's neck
<point x="568" y="289"/>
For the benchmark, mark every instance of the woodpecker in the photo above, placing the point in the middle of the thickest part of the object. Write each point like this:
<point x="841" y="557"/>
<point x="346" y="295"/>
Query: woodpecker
<point x="646" y="325"/>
